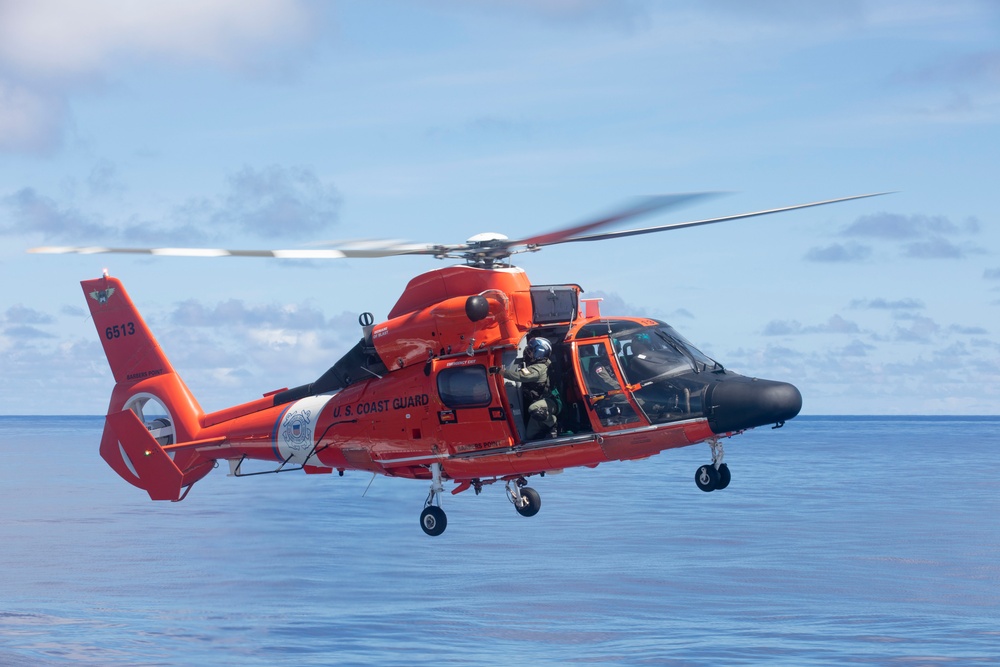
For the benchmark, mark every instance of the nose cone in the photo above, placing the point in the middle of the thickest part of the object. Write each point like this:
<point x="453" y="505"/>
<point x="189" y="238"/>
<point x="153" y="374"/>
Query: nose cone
<point x="739" y="403"/>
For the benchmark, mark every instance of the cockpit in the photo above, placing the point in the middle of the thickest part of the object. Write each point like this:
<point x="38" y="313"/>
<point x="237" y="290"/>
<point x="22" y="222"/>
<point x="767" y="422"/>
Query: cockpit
<point x="664" y="372"/>
<point x="652" y="363"/>
<point x="643" y="371"/>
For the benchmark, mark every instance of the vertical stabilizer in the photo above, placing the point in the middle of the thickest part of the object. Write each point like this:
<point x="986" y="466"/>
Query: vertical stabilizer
<point x="165" y="412"/>
<point x="132" y="351"/>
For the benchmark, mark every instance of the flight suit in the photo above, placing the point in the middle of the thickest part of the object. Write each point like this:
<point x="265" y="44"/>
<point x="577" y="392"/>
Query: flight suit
<point x="542" y="407"/>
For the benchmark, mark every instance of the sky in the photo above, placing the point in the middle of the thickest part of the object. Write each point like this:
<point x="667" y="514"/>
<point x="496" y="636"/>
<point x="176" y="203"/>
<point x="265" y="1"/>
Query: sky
<point x="283" y="123"/>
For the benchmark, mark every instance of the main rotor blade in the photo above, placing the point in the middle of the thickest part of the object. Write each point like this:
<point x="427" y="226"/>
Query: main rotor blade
<point x="709" y="221"/>
<point x="639" y="208"/>
<point x="376" y="248"/>
<point x="488" y="252"/>
<point x="366" y="250"/>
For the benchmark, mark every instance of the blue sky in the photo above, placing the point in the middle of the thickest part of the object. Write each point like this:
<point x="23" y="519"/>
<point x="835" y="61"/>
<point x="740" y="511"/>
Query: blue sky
<point x="279" y="123"/>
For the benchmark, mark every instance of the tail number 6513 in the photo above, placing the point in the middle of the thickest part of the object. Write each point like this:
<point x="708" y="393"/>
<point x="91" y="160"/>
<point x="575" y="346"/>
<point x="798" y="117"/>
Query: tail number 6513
<point x="120" y="330"/>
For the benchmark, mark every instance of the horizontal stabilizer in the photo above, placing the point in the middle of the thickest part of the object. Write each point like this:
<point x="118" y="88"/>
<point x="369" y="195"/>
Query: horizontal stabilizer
<point x="157" y="472"/>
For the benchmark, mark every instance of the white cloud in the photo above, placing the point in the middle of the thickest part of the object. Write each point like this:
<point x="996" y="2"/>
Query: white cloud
<point x="279" y="202"/>
<point x="271" y="202"/>
<point x="839" y="252"/>
<point x="615" y="12"/>
<point x="234" y="313"/>
<point x="835" y="325"/>
<point x="887" y="304"/>
<point x="917" y="237"/>
<point x="30" y="120"/>
<point x="63" y="38"/>
<point x="50" y="49"/>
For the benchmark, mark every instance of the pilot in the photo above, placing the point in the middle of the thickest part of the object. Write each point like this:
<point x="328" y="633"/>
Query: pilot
<point x="537" y="388"/>
<point x="602" y="378"/>
<point x="610" y="403"/>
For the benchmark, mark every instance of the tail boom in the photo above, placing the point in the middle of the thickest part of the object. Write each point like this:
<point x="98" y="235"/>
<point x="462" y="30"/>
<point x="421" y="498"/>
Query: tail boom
<point x="157" y="437"/>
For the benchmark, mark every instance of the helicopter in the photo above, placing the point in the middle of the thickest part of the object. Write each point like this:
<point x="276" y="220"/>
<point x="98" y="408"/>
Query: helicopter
<point x="440" y="391"/>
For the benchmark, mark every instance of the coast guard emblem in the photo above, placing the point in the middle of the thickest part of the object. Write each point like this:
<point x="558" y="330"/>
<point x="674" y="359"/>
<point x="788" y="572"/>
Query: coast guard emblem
<point x="296" y="430"/>
<point x="102" y="296"/>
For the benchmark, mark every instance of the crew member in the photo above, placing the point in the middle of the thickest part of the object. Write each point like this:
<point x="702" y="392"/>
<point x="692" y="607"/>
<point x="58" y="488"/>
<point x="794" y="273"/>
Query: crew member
<point x="537" y="389"/>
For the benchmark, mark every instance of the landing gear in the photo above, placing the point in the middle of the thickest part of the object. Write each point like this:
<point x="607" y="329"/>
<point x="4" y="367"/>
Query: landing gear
<point x="433" y="520"/>
<point x="714" y="475"/>
<point x="724" y="477"/>
<point x="526" y="500"/>
<point x="531" y="502"/>
<point x="707" y="477"/>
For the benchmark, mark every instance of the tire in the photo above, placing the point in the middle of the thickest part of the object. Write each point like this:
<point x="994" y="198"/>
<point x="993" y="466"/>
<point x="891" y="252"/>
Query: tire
<point x="724" y="477"/>
<point x="533" y="502"/>
<point x="707" y="478"/>
<point x="433" y="520"/>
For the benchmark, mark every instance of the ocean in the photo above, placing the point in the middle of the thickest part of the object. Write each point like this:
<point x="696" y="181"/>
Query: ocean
<point x="841" y="540"/>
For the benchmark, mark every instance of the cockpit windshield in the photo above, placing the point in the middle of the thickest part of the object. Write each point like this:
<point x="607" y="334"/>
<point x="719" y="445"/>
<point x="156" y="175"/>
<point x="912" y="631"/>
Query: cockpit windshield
<point x="658" y="351"/>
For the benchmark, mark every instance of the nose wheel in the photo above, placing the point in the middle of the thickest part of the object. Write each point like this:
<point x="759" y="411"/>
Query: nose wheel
<point x="715" y="475"/>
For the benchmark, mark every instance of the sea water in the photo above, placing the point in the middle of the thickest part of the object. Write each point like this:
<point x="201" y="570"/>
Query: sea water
<point x="872" y="541"/>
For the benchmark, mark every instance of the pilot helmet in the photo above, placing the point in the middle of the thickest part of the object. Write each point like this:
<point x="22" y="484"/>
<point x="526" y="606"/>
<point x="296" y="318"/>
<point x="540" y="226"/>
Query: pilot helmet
<point x="539" y="349"/>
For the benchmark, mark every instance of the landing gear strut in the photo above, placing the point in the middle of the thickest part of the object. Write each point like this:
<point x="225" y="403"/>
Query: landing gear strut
<point x="433" y="520"/>
<point x="526" y="500"/>
<point x="714" y="475"/>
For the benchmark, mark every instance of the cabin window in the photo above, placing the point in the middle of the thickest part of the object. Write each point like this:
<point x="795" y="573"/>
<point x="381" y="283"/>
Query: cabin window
<point x="464" y="387"/>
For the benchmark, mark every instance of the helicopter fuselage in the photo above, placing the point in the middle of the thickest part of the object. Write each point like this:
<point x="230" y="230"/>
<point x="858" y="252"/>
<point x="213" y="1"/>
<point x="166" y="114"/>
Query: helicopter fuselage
<point x="423" y="395"/>
<point x="432" y="392"/>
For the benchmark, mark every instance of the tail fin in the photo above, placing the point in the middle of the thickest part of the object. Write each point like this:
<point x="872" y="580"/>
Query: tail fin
<point x="132" y="351"/>
<point x="149" y="388"/>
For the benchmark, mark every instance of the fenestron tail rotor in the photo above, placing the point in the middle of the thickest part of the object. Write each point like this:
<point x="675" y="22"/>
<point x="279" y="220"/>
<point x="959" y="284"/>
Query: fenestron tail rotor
<point x="480" y="250"/>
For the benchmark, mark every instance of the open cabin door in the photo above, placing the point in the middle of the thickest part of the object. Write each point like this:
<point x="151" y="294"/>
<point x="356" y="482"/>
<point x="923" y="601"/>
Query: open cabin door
<point x="512" y="393"/>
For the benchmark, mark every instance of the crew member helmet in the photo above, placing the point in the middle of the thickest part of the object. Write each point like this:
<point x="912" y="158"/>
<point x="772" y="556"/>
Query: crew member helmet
<point x="539" y="348"/>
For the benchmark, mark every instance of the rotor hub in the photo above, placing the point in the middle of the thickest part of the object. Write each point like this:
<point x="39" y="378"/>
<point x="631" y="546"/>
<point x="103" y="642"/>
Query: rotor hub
<point x="487" y="240"/>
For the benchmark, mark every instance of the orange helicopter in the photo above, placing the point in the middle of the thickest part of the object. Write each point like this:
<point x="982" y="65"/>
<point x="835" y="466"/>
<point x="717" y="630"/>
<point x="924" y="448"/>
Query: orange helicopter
<point x="476" y="377"/>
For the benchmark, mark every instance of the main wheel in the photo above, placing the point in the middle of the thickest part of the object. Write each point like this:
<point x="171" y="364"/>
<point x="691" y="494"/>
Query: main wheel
<point x="724" y="476"/>
<point x="532" y="502"/>
<point x="433" y="520"/>
<point x="707" y="478"/>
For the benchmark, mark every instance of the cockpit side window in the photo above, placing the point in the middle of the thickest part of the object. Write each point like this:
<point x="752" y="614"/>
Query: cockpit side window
<point x="603" y="386"/>
<point x="598" y="374"/>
